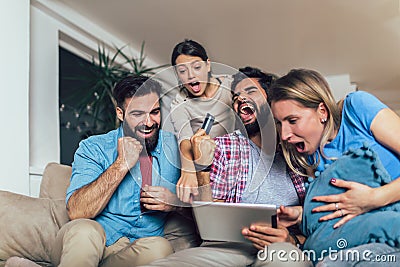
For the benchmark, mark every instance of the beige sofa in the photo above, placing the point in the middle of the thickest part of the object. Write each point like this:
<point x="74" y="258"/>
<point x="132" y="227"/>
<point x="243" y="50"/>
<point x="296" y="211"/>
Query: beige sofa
<point x="28" y="226"/>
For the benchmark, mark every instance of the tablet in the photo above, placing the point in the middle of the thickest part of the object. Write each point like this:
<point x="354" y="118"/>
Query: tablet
<point x="220" y="221"/>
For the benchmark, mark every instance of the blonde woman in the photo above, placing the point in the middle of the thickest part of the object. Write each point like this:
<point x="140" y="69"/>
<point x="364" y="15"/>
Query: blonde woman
<point x="315" y="131"/>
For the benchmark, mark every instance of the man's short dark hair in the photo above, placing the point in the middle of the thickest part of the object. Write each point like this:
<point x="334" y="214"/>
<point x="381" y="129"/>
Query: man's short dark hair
<point x="265" y="79"/>
<point x="134" y="85"/>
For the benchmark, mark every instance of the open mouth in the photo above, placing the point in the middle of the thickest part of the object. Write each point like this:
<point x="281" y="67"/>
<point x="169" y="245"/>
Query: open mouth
<point x="300" y="147"/>
<point x="146" y="130"/>
<point x="246" y="109"/>
<point x="195" y="86"/>
<point x="246" y="112"/>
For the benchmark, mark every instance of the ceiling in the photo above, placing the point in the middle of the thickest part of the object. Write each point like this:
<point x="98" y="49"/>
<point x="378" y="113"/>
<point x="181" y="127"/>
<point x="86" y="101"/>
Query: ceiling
<point x="356" y="37"/>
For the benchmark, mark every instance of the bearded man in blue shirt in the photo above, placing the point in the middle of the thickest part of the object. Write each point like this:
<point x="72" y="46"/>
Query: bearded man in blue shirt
<point x="122" y="186"/>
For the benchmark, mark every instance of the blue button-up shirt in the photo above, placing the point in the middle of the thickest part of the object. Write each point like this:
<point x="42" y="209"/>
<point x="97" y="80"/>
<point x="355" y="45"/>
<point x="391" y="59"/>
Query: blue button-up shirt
<point x="122" y="215"/>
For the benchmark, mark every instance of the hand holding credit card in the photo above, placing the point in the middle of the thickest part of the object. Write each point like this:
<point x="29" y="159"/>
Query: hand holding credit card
<point x="208" y="122"/>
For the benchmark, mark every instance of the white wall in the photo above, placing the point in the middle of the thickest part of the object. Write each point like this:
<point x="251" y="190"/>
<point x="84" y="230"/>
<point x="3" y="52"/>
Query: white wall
<point x="14" y="100"/>
<point x="44" y="137"/>
<point x="340" y="85"/>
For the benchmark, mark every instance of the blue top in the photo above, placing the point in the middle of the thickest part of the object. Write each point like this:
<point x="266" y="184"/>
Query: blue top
<point x="359" y="110"/>
<point x="122" y="215"/>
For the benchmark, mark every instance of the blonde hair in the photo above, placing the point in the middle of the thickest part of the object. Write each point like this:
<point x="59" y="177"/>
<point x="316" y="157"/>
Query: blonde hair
<point x="310" y="89"/>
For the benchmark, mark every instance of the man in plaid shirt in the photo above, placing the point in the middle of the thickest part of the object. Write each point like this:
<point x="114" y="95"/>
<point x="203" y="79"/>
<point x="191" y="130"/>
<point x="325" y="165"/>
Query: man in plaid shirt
<point x="245" y="169"/>
<point x="239" y="157"/>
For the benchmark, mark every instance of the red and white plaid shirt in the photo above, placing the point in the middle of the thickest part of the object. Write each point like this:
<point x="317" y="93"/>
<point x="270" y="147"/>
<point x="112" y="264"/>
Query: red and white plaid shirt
<point x="230" y="169"/>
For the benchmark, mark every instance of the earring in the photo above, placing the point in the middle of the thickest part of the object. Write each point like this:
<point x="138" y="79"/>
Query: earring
<point x="323" y="120"/>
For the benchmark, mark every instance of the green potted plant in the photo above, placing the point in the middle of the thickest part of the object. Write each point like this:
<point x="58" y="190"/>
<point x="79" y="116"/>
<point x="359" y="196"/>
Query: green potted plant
<point x="92" y="105"/>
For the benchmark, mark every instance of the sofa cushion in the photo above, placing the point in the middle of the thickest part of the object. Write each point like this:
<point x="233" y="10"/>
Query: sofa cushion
<point x="29" y="225"/>
<point x="55" y="181"/>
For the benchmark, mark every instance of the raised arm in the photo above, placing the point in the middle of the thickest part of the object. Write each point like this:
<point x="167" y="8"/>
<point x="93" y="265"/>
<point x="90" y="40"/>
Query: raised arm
<point x="203" y="152"/>
<point x="187" y="184"/>
<point x="90" y="200"/>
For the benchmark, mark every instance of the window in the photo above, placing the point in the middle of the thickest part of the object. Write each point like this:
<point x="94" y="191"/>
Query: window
<point x="76" y="121"/>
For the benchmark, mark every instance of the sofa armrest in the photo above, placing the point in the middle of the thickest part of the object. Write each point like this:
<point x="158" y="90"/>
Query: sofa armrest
<point x="29" y="225"/>
<point x="55" y="181"/>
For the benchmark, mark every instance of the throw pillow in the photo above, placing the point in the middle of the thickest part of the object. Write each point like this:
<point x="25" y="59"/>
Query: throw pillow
<point x="29" y="226"/>
<point x="381" y="225"/>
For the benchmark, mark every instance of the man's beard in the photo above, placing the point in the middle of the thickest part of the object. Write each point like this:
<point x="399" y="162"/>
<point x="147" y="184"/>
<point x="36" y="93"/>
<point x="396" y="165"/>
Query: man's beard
<point x="148" y="143"/>
<point x="253" y="128"/>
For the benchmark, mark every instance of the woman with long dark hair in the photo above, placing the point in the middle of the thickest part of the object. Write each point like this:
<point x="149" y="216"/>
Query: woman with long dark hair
<point x="200" y="93"/>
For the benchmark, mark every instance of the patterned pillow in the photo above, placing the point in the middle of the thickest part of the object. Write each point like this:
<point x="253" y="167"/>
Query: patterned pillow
<point x="381" y="225"/>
